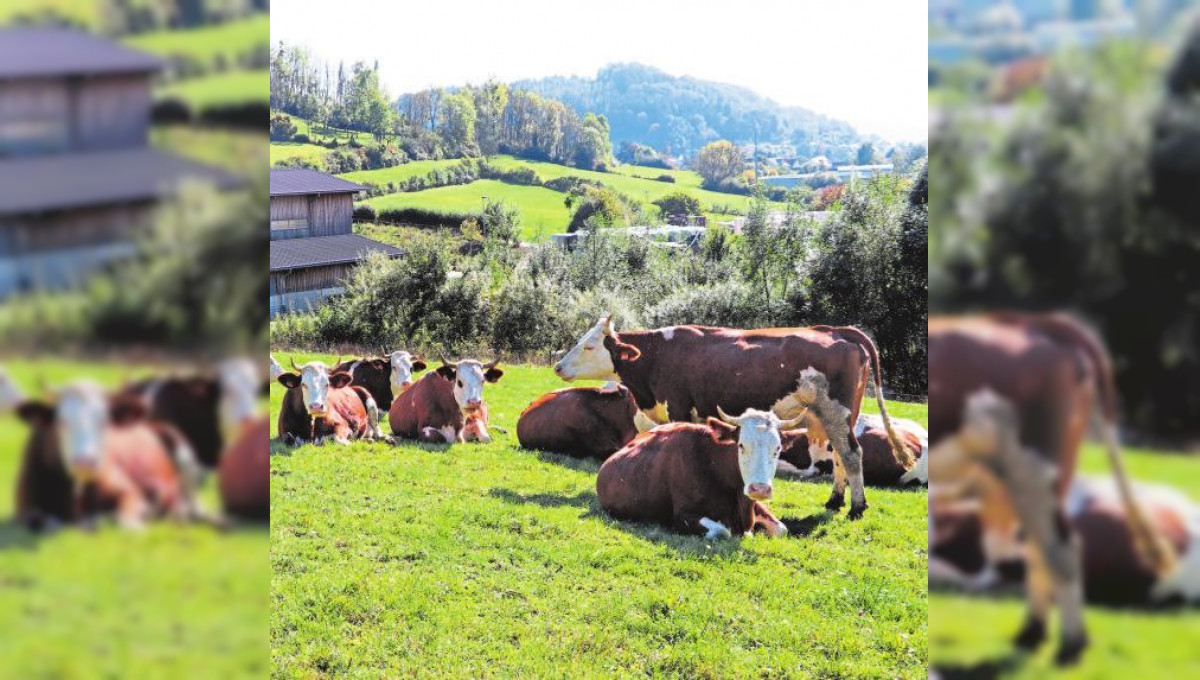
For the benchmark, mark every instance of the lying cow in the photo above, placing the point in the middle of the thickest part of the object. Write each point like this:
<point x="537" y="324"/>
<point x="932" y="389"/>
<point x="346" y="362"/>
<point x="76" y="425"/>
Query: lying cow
<point x="684" y="373"/>
<point x="1113" y="571"/>
<point x="706" y="479"/>
<point x="446" y="406"/>
<point x="320" y="404"/>
<point x="881" y="467"/>
<point x="384" y="377"/>
<point x="1011" y="396"/>
<point x="10" y="393"/>
<point x="244" y="475"/>
<point x="90" y="453"/>
<point x="583" y="422"/>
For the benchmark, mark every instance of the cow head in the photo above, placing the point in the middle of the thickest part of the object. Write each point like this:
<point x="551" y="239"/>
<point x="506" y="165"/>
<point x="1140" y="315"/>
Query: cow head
<point x="403" y="366"/>
<point x="10" y="393"/>
<point x="468" y="377"/>
<point x="239" y="383"/>
<point x="275" y="369"/>
<point x="594" y="357"/>
<point x="81" y="414"/>
<point x="315" y="379"/>
<point x="760" y="439"/>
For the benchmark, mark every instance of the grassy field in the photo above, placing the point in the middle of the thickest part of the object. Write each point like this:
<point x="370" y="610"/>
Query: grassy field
<point x="171" y="602"/>
<point x="209" y="43"/>
<point x="970" y="635"/>
<point x="542" y="210"/>
<point x="234" y="87"/>
<point x="235" y="150"/>
<point x="282" y="151"/>
<point x="492" y="561"/>
<point x="84" y="12"/>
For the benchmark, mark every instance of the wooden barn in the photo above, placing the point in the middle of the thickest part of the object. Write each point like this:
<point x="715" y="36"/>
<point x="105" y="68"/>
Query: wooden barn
<point x="313" y="248"/>
<point x="78" y="177"/>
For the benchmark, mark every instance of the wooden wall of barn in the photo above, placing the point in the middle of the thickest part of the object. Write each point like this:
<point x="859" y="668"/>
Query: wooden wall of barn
<point x="112" y="112"/>
<point x="311" y="278"/>
<point x="82" y="228"/>
<point x="55" y="115"/>
<point x="321" y="215"/>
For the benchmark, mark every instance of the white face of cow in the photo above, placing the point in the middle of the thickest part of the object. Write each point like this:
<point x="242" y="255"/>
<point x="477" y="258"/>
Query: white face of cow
<point x="10" y="393"/>
<point x="468" y="385"/>
<point x="314" y="382"/>
<point x="239" y="391"/>
<point x="589" y="359"/>
<point x="402" y="370"/>
<point x="759" y="444"/>
<point x="82" y="417"/>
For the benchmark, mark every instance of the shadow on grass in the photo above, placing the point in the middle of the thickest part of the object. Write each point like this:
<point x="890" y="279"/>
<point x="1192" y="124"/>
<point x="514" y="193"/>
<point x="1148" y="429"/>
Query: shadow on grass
<point x="583" y="499"/>
<point x="806" y="526"/>
<point x="980" y="670"/>
<point x="16" y="536"/>
<point x="589" y="465"/>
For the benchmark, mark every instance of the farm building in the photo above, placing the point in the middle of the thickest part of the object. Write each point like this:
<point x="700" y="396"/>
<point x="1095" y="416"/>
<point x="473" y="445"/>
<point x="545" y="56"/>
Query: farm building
<point x="313" y="248"/>
<point x="78" y="178"/>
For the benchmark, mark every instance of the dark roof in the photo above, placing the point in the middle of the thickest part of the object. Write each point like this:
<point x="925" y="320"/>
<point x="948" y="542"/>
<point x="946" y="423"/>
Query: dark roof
<point x="49" y="183"/>
<point x="298" y="181"/>
<point x="299" y="253"/>
<point x="43" y="51"/>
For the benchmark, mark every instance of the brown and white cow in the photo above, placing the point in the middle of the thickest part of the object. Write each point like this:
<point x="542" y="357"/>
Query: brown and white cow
<point x="880" y="465"/>
<point x="244" y="475"/>
<point x="1010" y="398"/>
<point x="1113" y="571"/>
<point x="684" y="373"/>
<point x="10" y="392"/>
<point x="706" y="479"/>
<point x="384" y="377"/>
<point x="321" y="404"/>
<point x="91" y="453"/>
<point x="446" y="406"/>
<point x="274" y="370"/>
<point x="583" y="422"/>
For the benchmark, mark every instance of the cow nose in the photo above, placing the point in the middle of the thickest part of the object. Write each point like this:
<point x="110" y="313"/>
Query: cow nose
<point x="558" y="369"/>
<point x="474" y="403"/>
<point x="760" y="492"/>
<point x="316" y="406"/>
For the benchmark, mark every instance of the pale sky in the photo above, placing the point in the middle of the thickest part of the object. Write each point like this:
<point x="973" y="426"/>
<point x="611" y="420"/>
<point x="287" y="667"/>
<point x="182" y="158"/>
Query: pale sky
<point x="862" y="61"/>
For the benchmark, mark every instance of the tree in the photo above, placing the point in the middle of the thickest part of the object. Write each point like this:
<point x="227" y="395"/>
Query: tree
<point x="718" y="162"/>
<point x="678" y="203"/>
<point x="490" y="102"/>
<point x="865" y="154"/>
<point x="458" y="124"/>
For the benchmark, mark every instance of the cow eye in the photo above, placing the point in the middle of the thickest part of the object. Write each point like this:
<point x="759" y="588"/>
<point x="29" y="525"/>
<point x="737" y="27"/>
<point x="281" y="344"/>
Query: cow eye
<point x="460" y="383"/>
<point x="589" y="347"/>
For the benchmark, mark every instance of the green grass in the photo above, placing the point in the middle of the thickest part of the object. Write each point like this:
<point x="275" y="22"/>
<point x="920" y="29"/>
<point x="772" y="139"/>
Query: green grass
<point x="206" y="44"/>
<point x="85" y="12"/>
<point x="236" y="150"/>
<point x="491" y="561"/>
<point x="542" y="210"/>
<point x="972" y="634"/>
<point x="683" y="178"/>
<point x="171" y="602"/>
<point x="234" y="87"/>
<point x="282" y="151"/>
<point x="397" y="173"/>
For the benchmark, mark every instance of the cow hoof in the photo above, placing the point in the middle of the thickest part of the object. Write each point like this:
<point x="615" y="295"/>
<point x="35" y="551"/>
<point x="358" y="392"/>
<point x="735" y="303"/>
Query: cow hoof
<point x="1070" y="651"/>
<point x="856" y="512"/>
<point x="835" y="502"/>
<point x="1032" y="635"/>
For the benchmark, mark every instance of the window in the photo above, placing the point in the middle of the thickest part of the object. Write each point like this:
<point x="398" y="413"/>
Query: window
<point x="285" y="225"/>
<point x="31" y="136"/>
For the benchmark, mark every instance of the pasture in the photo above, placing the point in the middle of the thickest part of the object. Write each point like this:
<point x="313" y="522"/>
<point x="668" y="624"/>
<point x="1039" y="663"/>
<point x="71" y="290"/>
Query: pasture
<point x="542" y="210"/>
<point x="492" y="561"/>
<point x="234" y="87"/>
<point x="170" y="602"/>
<point x="208" y="44"/>
<point x="971" y="634"/>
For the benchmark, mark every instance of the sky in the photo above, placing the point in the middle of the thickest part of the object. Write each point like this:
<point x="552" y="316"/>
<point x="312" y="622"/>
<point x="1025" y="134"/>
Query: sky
<point x="861" y="61"/>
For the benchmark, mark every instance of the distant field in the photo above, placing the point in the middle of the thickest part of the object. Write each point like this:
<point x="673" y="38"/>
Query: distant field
<point x="235" y="87"/>
<point x="207" y="44"/>
<point x="281" y="151"/>
<point x="318" y="132"/>
<point x="233" y="149"/>
<point x="542" y="210"/>
<point x="85" y="12"/>
<point x="474" y="561"/>
<point x="970" y="636"/>
<point x="397" y="173"/>
<point x="171" y="602"/>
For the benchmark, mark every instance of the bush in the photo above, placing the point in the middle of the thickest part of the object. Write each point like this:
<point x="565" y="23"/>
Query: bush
<point x="422" y="217"/>
<point x="301" y="138"/>
<point x="365" y="213"/>
<point x="666" y="178"/>
<point x="526" y="319"/>
<point x="731" y="303"/>
<point x="171" y="111"/>
<point x="249" y="115"/>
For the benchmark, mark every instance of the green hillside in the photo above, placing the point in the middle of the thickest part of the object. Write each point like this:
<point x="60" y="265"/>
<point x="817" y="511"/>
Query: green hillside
<point x="225" y="88"/>
<point x="208" y="44"/>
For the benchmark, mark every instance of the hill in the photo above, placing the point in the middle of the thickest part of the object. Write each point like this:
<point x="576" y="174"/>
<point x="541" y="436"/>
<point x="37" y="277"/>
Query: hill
<point x="682" y="114"/>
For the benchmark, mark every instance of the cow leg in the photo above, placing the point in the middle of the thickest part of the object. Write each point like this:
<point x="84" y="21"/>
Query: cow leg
<point x="761" y="516"/>
<point x="848" y="453"/>
<point x="715" y="529"/>
<point x="838" y="498"/>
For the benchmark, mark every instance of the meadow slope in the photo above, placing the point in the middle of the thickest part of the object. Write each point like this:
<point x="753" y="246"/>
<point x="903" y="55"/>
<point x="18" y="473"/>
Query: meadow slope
<point x="493" y="561"/>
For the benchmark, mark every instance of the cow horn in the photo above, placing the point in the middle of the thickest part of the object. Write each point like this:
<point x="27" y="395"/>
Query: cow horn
<point x="794" y="422"/>
<point x="444" y="359"/>
<point x="728" y="418"/>
<point x="294" y="366"/>
<point x="488" y="367"/>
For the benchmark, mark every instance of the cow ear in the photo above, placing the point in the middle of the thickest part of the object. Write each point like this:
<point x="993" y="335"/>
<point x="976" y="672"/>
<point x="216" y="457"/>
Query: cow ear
<point x="289" y="380"/>
<point x="722" y="432"/>
<point x="340" y="379"/>
<point x="202" y="387"/>
<point x="447" y="371"/>
<point x="493" y="375"/>
<point x="794" y="439"/>
<point x="36" y="412"/>
<point x="266" y="389"/>
<point x="621" y="351"/>
<point x="418" y="365"/>
<point x="380" y="364"/>
<point x="124" y="409"/>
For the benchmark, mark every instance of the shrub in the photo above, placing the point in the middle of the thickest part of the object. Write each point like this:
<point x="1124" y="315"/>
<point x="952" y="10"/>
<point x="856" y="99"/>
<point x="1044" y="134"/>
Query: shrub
<point x="666" y="178"/>
<point x="171" y="111"/>
<point x="365" y="213"/>
<point x="731" y="303"/>
<point x="301" y="138"/>
<point x="526" y="318"/>
<point x="249" y="115"/>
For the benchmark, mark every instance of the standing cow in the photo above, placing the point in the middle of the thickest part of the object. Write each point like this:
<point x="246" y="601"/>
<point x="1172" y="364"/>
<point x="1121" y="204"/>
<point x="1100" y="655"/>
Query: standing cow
<point x="684" y="373"/>
<point x="321" y="404"/>
<point x="880" y="465"/>
<point x="584" y="422"/>
<point x="90" y="453"/>
<point x="706" y="479"/>
<point x="446" y="406"/>
<point x="1010" y="398"/>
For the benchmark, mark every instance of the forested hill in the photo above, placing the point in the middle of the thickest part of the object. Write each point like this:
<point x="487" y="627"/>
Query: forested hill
<point x="682" y="114"/>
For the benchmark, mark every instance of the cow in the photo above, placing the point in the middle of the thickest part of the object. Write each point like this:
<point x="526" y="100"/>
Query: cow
<point x="384" y="377"/>
<point x="683" y="373"/>
<point x="812" y="457"/>
<point x="90" y="453"/>
<point x="275" y="370"/>
<point x="582" y="422"/>
<point x="321" y="404"/>
<point x="10" y="393"/>
<point x="244" y="474"/>
<point x="446" y="405"/>
<point x="1113" y="571"/>
<point x="1010" y="398"/>
<point x="708" y="480"/>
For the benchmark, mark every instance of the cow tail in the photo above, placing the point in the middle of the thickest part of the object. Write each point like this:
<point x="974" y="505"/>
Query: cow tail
<point x="899" y="449"/>
<point x="1155" y="549"/>
<point x="368" y="401"/>
<point x="191" y="472"/>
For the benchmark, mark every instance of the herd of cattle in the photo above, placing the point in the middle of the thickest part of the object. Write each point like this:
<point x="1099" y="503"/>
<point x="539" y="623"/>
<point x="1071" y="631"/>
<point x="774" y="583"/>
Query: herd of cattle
<point x="145" y="450"/>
